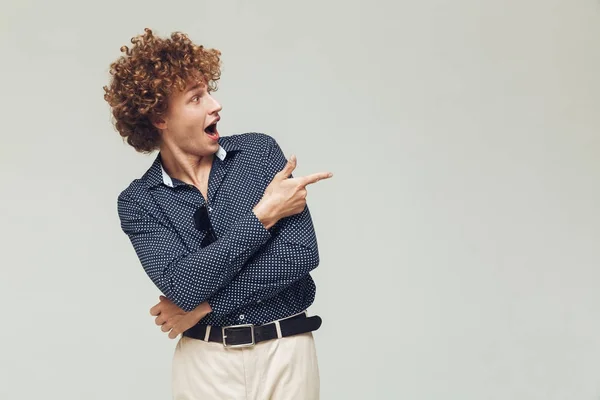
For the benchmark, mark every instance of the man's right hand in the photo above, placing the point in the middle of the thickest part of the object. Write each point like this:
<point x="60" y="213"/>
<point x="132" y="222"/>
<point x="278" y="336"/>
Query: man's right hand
<point x="285" y="196"/>
<point x="173" y="320"/>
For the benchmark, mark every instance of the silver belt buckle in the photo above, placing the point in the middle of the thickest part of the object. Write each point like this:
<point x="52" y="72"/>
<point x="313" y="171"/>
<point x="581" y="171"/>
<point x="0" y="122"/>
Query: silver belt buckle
<point x="250" y="344"/>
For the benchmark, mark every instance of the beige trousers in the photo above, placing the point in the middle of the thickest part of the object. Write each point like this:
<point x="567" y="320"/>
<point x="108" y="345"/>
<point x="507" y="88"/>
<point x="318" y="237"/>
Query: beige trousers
<point x="279" y="369"/>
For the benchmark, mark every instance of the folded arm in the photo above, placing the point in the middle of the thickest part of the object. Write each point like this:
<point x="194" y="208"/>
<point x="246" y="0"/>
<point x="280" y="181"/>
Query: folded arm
<point x="289" y="255"/>
<point x="189" y="278"/>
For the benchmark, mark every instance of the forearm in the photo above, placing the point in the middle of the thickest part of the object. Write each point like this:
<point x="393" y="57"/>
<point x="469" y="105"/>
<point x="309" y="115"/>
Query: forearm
<point x="191" y="280"/>
<point x="291" y="255"/>
<point x="246" y="289"/>
<point x="186" y="277"/>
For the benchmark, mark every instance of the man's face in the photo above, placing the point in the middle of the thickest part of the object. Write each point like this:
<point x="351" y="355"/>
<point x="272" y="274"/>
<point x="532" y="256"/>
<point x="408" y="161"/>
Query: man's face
<point x="190" y="121"/>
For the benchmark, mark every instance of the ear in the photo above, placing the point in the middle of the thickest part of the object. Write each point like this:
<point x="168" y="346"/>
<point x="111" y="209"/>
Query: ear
<point x="159" y="123"/>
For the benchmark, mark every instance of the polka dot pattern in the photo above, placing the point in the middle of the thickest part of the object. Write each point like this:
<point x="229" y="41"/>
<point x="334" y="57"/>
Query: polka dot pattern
<point x="249" y="275"/>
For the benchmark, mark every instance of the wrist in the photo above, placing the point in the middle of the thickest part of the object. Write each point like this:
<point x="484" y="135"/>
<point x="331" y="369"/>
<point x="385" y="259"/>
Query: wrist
<point x="202" y="310"/>
<point x="264" y="215"/>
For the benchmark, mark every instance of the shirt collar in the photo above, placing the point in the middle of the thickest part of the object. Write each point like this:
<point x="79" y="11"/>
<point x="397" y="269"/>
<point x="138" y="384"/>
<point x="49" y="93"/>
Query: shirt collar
<point x="157" y="174"/>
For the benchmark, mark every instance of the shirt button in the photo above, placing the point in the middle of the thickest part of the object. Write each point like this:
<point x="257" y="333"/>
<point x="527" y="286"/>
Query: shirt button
<point x="242" y="317"/>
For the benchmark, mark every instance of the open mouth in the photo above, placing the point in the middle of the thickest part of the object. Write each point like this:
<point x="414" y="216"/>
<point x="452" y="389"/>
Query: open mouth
<point x="211" y="131"/>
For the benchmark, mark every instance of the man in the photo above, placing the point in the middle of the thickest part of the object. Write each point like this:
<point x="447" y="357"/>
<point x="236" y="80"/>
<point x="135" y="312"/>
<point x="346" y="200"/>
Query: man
<point x="221" y="227"/>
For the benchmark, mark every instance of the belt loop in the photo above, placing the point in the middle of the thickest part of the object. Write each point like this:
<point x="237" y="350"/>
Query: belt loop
<point x="278" y="328"/>
<point x="207" y="334"/>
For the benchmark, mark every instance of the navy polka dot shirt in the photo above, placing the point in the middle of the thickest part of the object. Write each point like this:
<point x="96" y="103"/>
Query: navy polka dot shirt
<point x="249" y="275"/>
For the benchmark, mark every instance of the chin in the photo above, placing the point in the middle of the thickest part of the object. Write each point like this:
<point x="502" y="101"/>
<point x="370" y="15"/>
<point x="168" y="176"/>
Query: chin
<point x="215" y="146"/>
<point x="208" y="149"/>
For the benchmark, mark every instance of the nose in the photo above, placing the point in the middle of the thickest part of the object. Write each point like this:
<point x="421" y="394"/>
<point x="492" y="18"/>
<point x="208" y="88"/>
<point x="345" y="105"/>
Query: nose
<point x="215" y="105"/>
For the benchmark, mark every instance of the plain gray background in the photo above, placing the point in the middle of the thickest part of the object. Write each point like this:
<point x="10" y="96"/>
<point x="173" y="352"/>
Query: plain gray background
<point x="459" y="236"/>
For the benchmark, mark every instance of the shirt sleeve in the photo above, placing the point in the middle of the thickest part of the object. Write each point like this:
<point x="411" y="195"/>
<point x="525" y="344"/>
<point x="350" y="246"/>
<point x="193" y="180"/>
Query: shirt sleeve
<point x="189" y="278"/>
<point x="290" y="254"/>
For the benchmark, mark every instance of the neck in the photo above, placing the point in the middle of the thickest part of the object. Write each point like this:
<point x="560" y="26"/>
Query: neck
<point x="188" y="168"/>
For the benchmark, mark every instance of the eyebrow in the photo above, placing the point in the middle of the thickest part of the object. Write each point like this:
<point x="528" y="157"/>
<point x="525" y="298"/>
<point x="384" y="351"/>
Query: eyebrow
<point x="195" y="87"/>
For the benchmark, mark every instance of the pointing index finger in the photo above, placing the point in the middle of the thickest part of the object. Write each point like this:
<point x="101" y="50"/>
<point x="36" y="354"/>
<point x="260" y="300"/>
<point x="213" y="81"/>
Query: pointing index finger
<point x="314" y="178"/>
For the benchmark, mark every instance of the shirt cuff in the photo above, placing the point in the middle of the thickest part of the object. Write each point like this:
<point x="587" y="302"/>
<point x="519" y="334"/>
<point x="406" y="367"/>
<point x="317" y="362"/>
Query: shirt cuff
<point x="252" y="233"/>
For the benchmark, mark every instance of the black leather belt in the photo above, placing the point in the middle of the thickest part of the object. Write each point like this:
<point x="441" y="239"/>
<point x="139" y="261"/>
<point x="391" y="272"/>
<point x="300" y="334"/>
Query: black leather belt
<point x="249" y="335"/>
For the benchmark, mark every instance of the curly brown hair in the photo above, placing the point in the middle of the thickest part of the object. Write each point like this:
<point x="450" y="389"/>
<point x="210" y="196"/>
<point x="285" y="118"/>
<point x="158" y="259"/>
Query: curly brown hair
<point x="145" y="76"/>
